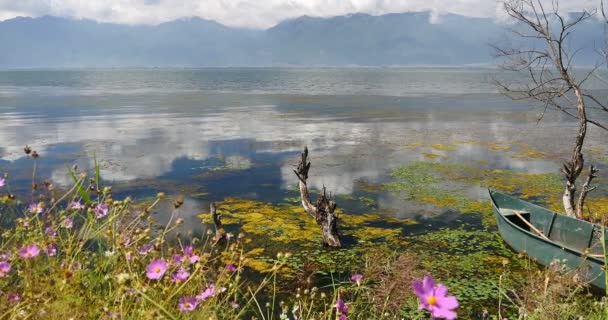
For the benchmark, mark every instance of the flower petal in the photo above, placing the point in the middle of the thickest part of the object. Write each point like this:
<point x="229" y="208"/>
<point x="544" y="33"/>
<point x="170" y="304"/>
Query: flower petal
<point x="443" y="314"/>
<point x="428" y="283"/>
<point x="419" y="289"/>
<point x="441" y="291"/>
<point x="447" y="302"/>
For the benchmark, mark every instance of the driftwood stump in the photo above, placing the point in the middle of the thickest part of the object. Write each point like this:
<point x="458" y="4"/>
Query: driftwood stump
<point x="323" y="211"/>
<point x="220" y="233"/>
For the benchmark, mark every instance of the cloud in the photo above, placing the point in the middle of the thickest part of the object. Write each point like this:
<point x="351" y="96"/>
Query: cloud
<point x="248" y="13"/>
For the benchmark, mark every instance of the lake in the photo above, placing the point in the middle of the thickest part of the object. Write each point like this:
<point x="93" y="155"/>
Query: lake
<point x="415" y="147"/>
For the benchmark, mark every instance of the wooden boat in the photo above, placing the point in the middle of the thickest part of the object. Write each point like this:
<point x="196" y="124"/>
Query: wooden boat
<point x="546" y="236"/>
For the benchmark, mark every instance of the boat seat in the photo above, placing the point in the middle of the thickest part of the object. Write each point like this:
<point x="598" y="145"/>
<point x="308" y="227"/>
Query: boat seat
<point x="572" y="233"/>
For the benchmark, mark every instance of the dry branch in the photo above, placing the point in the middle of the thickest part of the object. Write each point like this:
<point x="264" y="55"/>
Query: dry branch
<point x="323" y="211"/>
<point x="220" y="233"/>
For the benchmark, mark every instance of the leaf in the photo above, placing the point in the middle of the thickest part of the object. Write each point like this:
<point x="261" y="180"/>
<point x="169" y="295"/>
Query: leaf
<point x="81" y="191"/>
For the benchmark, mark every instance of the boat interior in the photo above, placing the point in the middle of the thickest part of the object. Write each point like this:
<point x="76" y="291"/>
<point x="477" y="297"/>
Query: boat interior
<point x="575" y="234"/>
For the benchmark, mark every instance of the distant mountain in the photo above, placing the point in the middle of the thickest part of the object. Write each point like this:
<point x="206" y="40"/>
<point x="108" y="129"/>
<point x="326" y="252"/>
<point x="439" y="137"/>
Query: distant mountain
<point x="357" y="39"/>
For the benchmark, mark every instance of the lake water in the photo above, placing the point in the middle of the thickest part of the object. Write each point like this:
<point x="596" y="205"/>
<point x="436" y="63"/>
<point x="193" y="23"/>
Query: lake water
<point x="217" y="133"/>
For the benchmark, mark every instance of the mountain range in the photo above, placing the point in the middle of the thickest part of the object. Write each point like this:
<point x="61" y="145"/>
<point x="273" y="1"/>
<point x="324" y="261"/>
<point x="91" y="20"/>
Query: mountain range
<point x="351" y="40"/>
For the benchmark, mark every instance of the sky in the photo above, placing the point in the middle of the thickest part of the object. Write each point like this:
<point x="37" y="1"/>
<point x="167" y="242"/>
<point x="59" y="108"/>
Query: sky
<point x="247" y="13"/>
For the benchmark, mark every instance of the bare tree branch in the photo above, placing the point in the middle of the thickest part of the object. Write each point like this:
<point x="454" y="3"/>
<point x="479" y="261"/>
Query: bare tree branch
<point x="323" y="211"/>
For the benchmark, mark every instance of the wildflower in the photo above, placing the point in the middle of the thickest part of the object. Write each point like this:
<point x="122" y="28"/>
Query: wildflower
<point x="76" y="205"/>
<point x="30" y="251"/>
<point x="51" y="250"/>
<point x="13" y="298"/>
<point x="231" y="268"/>
<point x="229" y="236"/>
<point x="36" y="208"/>
<point x="50" y="231"/>
<point x="2" y="182"/>
<point x="180" y="275"/>
<point x="341" y="307"/>
<point x="67" y="223"/>
<point x="101" y="210"/>
<point x="156" y="269"/>
<point x="177" y="259"/>
<point x="145" y="249"/>
<point x="5" y="255"/>
<point x="234" y="305"/>
<point x="5" y="268"/>
<point x="187" y="304"/>
<point x="209" y="292"/>
<point x="357" y="278"/>
<point x="434" y="298"/>
<point x="189" y="253"/>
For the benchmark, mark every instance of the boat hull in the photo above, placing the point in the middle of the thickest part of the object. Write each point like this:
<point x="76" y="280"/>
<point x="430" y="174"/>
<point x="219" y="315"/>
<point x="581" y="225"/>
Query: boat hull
<point x="543" y="250"/>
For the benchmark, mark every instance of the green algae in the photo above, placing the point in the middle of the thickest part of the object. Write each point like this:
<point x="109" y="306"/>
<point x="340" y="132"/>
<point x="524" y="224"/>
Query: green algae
<point x="443" y="185"/>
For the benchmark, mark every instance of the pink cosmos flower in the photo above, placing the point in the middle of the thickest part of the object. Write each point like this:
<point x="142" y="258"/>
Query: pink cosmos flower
<point x="6" y="255"/>
<point x="101" y="210"/>
<point x="177" y="259"/>
<point x="13" y="298"/>
<point x="36" y="208"/>
<point x="434" y="298"/>
<point x="51" y="250"/>
<point x="5" y="268"/>
<point x="357" y="278"/>
<point x="231" y="268"/>
<point x="180" y="275"/>
<point x="209" y="292"/>
<point x="30" y="251"/>
<point x="50" y="231"/>
<point x="187" y="304"/>
<point x="67" y="223"/>
<point x="2" y="182"/>
<point x="156" y="269"/>
<point x="76" y="205"/>
<point x="189" y="254"/>
<point x="145" y="249"/>
<point x="341" y="307"/>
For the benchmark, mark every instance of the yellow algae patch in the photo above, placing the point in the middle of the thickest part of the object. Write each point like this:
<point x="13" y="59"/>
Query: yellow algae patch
<point x="371" y="233"/>
<point x="430" y="155"/>
<point x="529" y="154"/>
<point x="498" y="147"/>
<point x="443" y="147"/>
<point x="259" y="265"/>
<point x="291" y="224"/>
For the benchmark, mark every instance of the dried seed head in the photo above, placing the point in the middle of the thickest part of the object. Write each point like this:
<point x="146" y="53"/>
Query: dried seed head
<point x="35" y="154"/>
<point x="27" y="150"/>
<point x="179" y="201"/>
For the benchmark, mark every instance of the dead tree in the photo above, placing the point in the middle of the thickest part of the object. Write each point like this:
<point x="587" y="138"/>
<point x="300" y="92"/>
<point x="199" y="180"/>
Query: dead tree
<point x="220" y="233"/>
<point x="323" y="211"/>
<point x="547" y="62"/>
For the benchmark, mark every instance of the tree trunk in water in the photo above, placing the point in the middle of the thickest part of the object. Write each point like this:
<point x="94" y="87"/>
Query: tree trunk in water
<point x="323" y="211"/>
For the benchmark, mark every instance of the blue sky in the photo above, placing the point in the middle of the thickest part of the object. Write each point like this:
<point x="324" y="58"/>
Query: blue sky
<point x="247" y="13"/>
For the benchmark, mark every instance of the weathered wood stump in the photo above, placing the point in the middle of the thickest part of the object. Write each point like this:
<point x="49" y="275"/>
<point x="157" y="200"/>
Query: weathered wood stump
<point x="323" y="211"/>
<point x="220" y="233"/>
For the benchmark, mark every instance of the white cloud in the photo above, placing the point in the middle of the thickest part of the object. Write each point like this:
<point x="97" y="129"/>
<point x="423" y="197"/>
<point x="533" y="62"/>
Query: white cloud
<point x="247" y="13"/>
